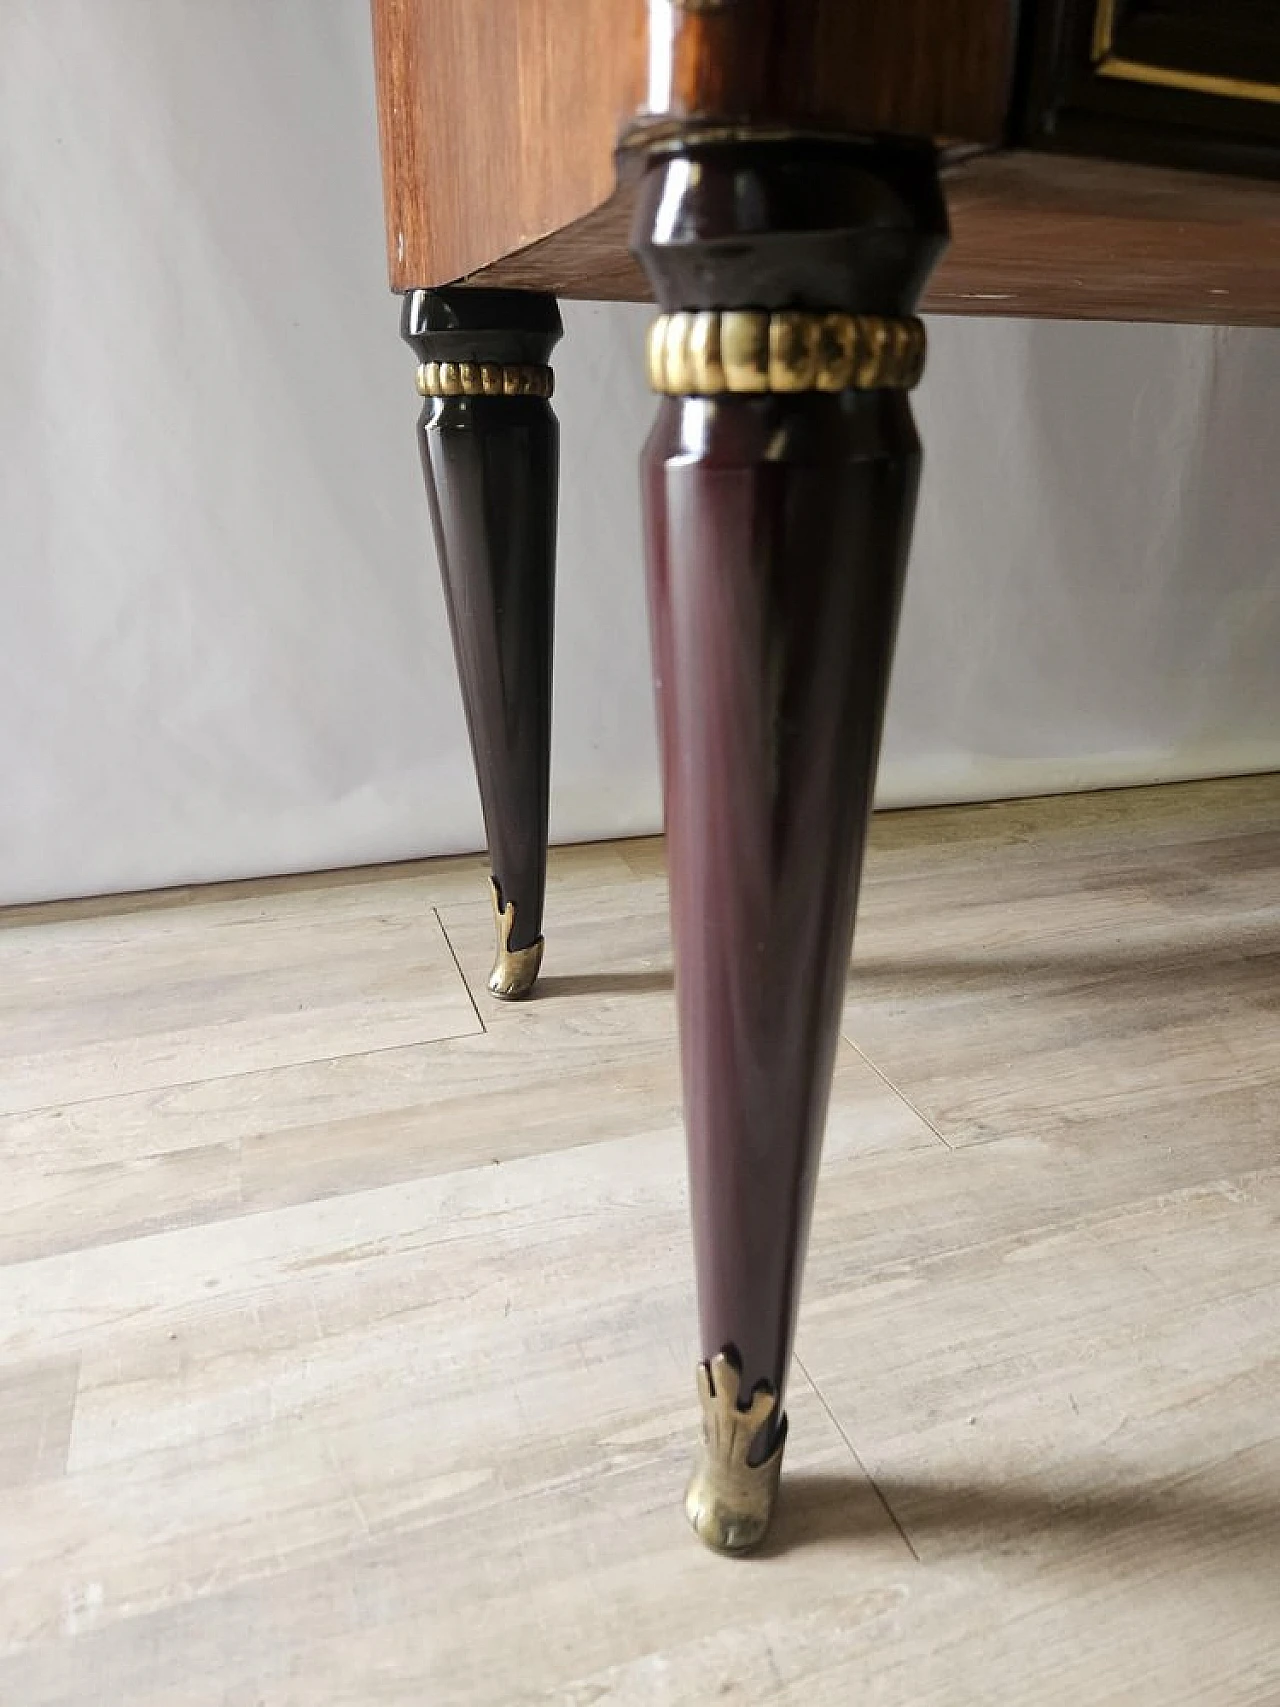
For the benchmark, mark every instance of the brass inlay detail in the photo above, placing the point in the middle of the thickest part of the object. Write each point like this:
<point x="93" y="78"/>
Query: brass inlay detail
<point x="1110" y="64"/>
<point x="484" y="379"/>
<point x="730" y="1500"/>
<point x="1104" y="28"/>
<point x="515" y="969"/>
<point x="741" y="350"/>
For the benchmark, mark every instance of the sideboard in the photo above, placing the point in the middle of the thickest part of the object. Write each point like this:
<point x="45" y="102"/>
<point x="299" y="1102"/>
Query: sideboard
<point x="792" y="181"/>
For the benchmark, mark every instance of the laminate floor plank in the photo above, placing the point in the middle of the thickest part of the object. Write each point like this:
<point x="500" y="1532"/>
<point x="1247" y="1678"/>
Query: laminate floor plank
<point x="1027" y="973"/>
<point x="154" y="998"/>
<point x="591" y="1056"/>
<point x="37" y="1403"/>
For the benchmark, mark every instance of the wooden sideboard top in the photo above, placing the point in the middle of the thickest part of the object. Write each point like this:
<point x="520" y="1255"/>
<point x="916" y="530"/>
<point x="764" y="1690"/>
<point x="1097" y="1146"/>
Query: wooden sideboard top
<point x="500" y="119"/>
<point x="1033" y="235"/>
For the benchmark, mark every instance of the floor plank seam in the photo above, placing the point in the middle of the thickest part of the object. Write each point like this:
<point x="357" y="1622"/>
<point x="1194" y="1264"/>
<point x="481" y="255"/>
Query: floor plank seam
<point x="247" y="1073"/>
<point x="853" y="1452"/>
<point x="900" y="1094"/>
<point x="453" y="953"/>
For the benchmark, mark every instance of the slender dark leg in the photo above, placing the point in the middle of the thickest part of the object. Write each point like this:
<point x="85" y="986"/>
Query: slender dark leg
<point x="490" y="454"/>
<point x="779" y="481"/>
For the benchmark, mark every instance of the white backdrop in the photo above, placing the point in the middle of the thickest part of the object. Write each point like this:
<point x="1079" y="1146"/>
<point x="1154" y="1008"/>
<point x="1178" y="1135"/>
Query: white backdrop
<point x="222" y="645"/>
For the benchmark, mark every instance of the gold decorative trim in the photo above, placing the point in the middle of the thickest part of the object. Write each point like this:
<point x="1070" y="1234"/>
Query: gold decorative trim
<point x="515" y="970"/>
<point x="730" y="1500"/>
<point x="744" y="351"/>
<point x="1110" y="64"/>
<point x="484" y="379"/>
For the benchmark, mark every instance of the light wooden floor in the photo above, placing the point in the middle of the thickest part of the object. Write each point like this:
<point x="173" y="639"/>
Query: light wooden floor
<point x="345" y="1315"/>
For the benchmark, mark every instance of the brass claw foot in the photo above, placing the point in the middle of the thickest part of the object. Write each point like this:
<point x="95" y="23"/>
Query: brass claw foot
<point x="730" y="1500"/>
<point x="516" y="969"/>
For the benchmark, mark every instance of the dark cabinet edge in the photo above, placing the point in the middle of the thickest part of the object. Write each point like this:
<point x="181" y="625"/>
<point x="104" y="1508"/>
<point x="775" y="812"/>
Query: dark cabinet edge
<point x="1162" y="115"/>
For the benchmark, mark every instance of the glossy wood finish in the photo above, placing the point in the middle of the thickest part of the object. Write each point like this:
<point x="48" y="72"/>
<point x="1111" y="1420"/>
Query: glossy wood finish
<point x="872" y="67"/>
<point x="499" y="118"/>
<point x="1033" y="235"/>
<point x="777" y="531"/>
<point x="491" y="468"/>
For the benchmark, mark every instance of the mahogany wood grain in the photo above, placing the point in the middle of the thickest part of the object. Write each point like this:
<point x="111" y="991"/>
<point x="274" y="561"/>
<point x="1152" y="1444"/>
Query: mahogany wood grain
<point x="777" y="529"/>
<point x="777" y="535"/>
<point x="870" y="66"/>
<point x="1035" y="235"/>
<point x="1051" y="236"/>
<point x="499" y="118"/>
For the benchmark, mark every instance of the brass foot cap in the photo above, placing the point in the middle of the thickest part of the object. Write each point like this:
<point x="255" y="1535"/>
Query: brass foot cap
<point x="729" y="1500"/>
<point x="515" y="970"/>
<point x="723" y="1522"/>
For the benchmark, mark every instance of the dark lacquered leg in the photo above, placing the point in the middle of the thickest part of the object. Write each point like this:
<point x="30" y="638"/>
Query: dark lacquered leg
<point x="490" y="454"/>
<point x="779" y="486"/>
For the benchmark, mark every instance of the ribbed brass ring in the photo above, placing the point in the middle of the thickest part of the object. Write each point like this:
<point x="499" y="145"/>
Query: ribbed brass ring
<point x="484" y="379"/>
<point x="705" y="353"/>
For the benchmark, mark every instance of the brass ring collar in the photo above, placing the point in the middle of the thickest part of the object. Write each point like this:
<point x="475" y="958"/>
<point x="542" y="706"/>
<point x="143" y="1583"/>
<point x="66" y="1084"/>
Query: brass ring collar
<point x="710" y="351"/>
<point x="484" y="379"/>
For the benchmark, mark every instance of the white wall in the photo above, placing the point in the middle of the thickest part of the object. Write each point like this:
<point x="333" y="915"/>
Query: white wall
<point x="222" y="647"/>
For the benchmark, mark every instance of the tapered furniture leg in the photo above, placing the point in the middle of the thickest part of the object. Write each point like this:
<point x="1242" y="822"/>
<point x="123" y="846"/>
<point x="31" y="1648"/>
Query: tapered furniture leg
<point x="779" y="485"/>
<point x="490" y="454"/>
